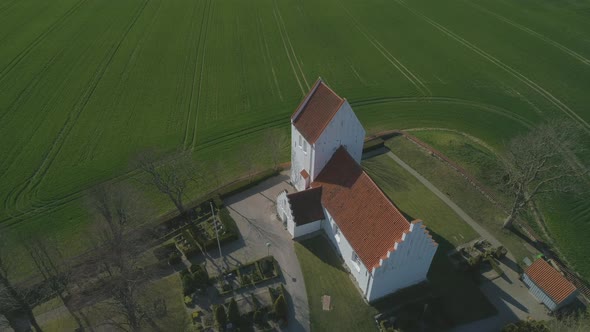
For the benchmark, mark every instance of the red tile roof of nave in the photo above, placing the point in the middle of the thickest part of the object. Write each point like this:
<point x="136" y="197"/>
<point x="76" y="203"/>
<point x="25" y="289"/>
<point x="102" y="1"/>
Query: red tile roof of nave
<point x="366" y="217"/>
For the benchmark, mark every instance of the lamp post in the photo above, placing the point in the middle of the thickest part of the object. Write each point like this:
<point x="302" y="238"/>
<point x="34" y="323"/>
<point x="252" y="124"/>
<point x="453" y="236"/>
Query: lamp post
<point x="267" y="248"/>
<point x="216" y="224"/>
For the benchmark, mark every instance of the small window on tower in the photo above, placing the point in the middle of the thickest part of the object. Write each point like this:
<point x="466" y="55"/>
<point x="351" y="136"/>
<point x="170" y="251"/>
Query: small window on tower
<point x="304" y="146"/>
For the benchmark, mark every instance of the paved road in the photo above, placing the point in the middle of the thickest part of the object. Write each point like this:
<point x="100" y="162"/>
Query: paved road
<point x="508" y="294"/>
<point x="255" y="214"/>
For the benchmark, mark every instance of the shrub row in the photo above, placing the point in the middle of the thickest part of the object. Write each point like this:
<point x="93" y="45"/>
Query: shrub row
<point x="194" y="278"/>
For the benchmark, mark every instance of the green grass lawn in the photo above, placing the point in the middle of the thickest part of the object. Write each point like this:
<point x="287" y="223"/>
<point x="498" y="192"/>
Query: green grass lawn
<point x="569" y="236"/>
<point x="324" y="275"/>
<point x="417" y="201"/>
<point x="85" y="85"/>
<point x="462" y="300"/>
<point x="169" y="289"/>
<point x="460" y="191"/>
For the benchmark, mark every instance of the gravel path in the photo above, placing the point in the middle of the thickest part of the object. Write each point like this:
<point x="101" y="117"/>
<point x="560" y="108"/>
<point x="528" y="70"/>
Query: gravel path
<point x="255" y="215"/>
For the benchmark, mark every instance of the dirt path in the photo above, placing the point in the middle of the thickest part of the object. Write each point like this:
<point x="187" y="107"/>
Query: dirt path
<point x="508" y="294"/>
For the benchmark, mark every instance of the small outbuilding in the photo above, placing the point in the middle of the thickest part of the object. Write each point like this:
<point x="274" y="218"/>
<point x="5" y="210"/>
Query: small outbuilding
<point x="548" y="285"/>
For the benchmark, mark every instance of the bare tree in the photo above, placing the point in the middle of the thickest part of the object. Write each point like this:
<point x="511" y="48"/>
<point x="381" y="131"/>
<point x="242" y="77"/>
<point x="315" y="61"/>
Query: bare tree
<point x="54" y="269"/>
<point x="12" y="296"/>
<point x="277" y="143"/>
<point x="171" y="177"/>
<point x="121" y="277"/>
<point x="576" y="322"/>
<point x="539" y="162"/>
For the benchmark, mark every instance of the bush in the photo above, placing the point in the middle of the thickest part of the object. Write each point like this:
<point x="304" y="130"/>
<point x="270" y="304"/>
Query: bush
<point x="188" y="284"/>
<point x="266" y="266"/>
<point x="200" y="276"/>
<point x="526" y="326"/>
<point x="246" y="280"/>
<point x="258" y="317"/>
<point x="220" y="317"/>
<point x="174" y="258"/>
<point x="217" y="201"/>
<point x="280" y="307"/>
<point x="500" y="252"/>
<point x="233" y="313"/>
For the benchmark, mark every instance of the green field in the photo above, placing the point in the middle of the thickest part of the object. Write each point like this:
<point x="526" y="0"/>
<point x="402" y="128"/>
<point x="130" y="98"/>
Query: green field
<point x="86" y="84"/>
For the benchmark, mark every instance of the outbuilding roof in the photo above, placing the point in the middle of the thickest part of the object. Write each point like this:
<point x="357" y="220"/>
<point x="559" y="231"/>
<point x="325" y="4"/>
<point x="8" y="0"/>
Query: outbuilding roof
<point x="548" y="279"/>
<point x="306" y="206"/>
<point x="369" y="221"/>
<point x="316" y="111"/>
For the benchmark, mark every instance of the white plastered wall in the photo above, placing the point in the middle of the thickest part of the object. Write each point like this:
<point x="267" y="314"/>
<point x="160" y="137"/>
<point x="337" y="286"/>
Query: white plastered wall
<point x="344" y="249"/>
<point x="407" y="265"/>
<point x="344" y="129"/>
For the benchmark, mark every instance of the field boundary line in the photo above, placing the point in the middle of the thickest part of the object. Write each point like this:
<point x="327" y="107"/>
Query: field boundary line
<point x="539" y="89"/>
<point x="37" y="177"/>
<point x="419" y="85"/>
<point x="21" y="55"/>
<point x="188" y="118"/>
<point x="13" y="220"/>
<point x="287" y="52"/>
<point x="291" y="45"/>
<point x="532" y="32"/>
<point x="486" y="107"/>
<point x="203" y="54"/>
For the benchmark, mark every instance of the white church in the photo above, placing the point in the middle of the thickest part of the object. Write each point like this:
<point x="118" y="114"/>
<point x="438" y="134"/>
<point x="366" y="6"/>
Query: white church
<point x="382" y="249"/>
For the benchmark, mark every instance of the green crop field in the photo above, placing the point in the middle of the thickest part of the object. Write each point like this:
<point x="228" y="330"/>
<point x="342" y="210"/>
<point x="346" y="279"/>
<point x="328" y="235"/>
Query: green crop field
<point x="86" y="84"/>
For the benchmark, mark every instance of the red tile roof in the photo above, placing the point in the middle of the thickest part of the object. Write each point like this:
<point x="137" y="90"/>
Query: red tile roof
<point x="306" y="206"/>
<point x="550" y="280"/>
<point x="312" y="117"/>
<point x="366" y="217"/>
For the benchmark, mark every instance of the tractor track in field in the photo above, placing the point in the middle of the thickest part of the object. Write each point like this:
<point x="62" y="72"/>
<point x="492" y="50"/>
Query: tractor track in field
<point x="297" y="61"/>
<point x="194" y="76"/>
<point x="7" y="6"/>
<point x="411" y="77"/>
<point x="533" y="33"/>
<point x="36" y="178"/>
<point x="197" y="72"/>
<point x="26" y="92"/>
<point x="43" y="109"/>
<point x="23" y="95"/>
<point x="522" y="78"/>
<point x="268" y="57"/>
<point x="446" y="100"/>
<point x="201" y="74"/>
<point x="303" y="90"/>
<point x="91" y="146"/>
<point x="280" y="121"/>
<point x="50" y="206"/>
<point x="21" y="55"/>
<point x="31" y="87"/>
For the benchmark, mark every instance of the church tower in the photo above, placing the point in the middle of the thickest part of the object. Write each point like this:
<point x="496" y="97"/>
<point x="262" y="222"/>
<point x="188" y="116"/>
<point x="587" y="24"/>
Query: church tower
<point x="319" y="126"/>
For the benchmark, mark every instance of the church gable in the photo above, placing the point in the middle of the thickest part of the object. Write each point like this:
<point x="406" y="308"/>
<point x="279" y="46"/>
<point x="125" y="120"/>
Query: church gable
<point x="317" y="110"/>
